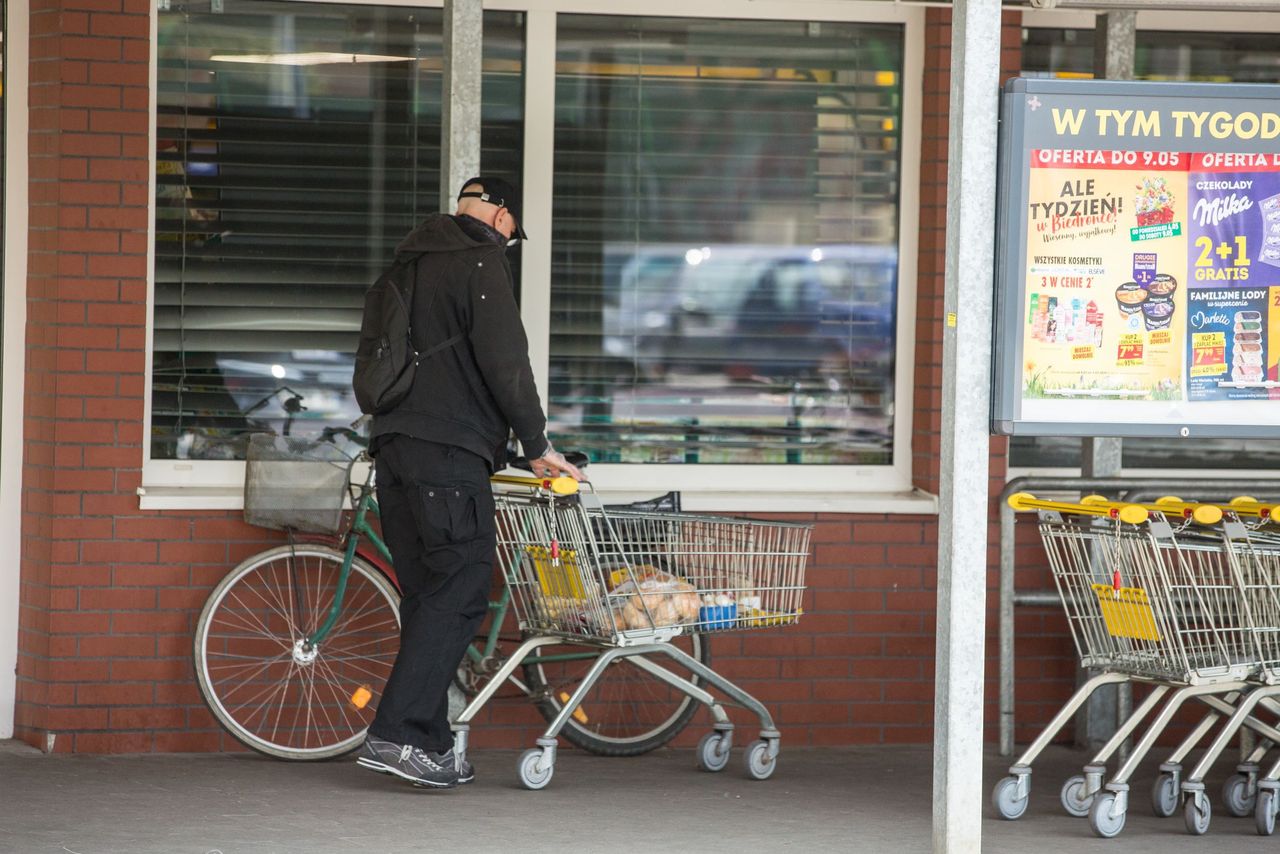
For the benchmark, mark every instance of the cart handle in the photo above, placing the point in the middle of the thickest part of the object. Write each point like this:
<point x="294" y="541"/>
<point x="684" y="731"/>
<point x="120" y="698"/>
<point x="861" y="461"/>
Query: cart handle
<point x="562" y="485"/>
<point x="1246" y="505"/>
<point x="1169" y="505"/>
<point x="1131" y="514"/>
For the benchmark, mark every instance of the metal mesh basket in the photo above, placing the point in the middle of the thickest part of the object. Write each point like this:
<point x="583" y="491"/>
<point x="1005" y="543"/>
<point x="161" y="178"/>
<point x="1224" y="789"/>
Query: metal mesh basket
<point x="294" y="483"/>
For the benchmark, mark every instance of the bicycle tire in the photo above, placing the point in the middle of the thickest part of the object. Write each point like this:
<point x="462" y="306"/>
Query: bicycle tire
<point x="605" y="732"/>
<point x="260" y="621"/>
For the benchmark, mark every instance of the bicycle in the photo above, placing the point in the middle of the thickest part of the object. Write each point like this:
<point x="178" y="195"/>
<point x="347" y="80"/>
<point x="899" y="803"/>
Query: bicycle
<point x="293" y="645"/>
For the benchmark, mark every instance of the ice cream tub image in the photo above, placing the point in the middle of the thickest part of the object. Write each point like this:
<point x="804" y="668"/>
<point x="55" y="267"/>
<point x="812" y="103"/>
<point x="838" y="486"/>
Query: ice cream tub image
<point x="1248" y="326"/>
<point x="1130" y="296"/>
<point x="1246" y="375"/>
<point x="1248" y="347"/>
<point x="1157" y="314"/>
<point x="1248" y="315"/>
<point x="1249" y="338"/>
<point x="1163" y="285"/>
<point x="1246" y="360"/>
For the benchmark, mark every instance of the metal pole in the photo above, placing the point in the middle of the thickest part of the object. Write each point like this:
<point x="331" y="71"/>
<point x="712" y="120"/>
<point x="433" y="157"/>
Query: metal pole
<point x="1107" y="709"/>
<point x="460" y="98"/>
<point x="966" y="381"/>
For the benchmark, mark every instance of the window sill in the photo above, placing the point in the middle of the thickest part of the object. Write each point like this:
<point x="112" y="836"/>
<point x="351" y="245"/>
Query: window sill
<point x="914" y="502"/>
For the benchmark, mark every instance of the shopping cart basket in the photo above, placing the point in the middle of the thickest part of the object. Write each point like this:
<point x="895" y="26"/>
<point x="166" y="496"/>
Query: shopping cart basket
<point x="1147" y="602"/>
<point x="629" y="582"/>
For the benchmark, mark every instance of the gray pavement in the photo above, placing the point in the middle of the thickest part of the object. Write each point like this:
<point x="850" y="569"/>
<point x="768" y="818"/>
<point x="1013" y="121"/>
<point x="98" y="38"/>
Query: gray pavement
<point x="873" y="799"/>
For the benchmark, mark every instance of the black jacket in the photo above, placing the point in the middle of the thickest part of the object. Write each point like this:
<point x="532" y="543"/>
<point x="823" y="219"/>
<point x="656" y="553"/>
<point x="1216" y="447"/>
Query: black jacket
<point x="471" y="393"/>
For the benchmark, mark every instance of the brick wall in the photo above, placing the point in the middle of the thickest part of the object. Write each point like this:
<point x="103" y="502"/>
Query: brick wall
<point x="110" y="592"/>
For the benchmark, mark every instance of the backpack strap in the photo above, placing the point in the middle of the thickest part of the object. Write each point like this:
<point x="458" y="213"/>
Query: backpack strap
<point x="419" y="355"/>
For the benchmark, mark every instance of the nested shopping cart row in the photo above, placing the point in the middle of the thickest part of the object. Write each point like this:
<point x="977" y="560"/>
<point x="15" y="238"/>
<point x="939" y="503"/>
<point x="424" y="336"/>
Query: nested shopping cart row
<point x="1184" y="598"/>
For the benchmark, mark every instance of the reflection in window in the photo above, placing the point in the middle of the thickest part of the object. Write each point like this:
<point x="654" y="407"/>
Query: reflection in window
<point x="725" y="240"/>
<point x="295" y="145"/>
<point x="1204" y="56"/>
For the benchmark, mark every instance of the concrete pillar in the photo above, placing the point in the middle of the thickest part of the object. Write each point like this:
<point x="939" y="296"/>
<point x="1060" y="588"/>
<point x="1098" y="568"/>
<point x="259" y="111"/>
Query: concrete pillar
<point x="460" y="107"/>
<point x="1114" y="47"/>
<point x="962" y="529"/>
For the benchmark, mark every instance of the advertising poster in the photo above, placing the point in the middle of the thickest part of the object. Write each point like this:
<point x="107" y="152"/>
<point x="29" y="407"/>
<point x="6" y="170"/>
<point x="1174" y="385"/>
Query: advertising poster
<point x="1139" y="261"/>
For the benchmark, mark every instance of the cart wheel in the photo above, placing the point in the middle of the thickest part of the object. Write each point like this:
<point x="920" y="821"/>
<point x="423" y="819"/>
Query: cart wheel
<point x="533" y="774"/>
<point x="1101" y="818"/>
<point x="1075" y="799"/>
<point x="1004" y="797"/>
<point x="1264" y="814"/>
<point x="759" y="765"/>
<point x="1197" y="812"/>
<point x="711" y="755"/>
<point x="1236" y="796"/>
<point x="1164" y="796"/>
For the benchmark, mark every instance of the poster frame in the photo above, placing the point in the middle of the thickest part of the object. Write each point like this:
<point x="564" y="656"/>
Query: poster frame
<point x="1013" y="178"/>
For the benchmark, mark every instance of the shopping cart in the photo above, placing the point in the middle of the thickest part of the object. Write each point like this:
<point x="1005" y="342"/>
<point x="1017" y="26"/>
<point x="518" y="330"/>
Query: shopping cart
<point x="1146" y="602"/>
<point x="1251" y="542"/>
<point x="629" y="582"/>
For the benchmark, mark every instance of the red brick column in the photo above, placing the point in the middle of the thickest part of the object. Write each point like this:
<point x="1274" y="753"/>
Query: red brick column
<point x="86" y="338"/>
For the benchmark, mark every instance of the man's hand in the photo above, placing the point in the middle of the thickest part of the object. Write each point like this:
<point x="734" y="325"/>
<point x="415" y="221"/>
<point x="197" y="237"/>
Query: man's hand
<point x="553" y="464"/>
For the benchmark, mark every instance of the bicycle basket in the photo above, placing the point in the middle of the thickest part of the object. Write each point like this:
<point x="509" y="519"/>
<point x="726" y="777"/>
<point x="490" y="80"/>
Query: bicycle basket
<point x="294" y="483"/>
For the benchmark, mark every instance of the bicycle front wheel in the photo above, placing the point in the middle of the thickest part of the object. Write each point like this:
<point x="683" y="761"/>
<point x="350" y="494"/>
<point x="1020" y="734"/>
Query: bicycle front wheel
<point x="256" y="672"/>
<point x="628" y="711"/>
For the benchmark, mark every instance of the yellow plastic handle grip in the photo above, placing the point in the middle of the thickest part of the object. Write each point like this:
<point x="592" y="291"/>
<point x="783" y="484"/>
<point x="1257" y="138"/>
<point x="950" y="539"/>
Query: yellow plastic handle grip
<point x="559" y="485"/>
<point x="1130" y="514"/>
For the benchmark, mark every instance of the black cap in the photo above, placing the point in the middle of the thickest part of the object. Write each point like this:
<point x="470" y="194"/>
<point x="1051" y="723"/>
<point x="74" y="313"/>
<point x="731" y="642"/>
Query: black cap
<point x="498" y="192"/>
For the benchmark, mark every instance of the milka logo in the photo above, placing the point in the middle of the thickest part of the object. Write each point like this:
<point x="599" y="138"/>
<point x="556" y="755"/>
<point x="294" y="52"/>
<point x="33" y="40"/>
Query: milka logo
<point x="1213" y="212"/>
<point x="1200" y="320"/>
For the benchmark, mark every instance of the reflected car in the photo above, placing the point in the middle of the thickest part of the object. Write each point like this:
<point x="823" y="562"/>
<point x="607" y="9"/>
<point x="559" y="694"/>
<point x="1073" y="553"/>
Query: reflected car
<point x="777" y="312"/>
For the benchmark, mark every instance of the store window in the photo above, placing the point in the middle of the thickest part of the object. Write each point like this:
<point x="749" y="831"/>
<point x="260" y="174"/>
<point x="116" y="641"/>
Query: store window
<point x="295" y="145"/>
<point x="1194" y="56"/>
<point x="724" y="260"/>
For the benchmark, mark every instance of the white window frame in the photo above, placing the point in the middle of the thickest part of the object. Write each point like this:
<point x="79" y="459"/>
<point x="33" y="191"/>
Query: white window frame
<point x="16" y="39"/>
<point x="202" y="484"/>
<point x="1157" y="21"/>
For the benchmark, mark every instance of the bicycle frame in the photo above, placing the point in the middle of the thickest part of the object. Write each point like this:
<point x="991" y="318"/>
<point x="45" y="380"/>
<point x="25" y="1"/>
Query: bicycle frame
<point x="361" y="529"/>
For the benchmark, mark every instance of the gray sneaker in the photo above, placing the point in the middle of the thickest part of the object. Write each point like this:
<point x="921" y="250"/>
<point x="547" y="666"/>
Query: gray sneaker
<point x="466" y="771"/>
<point x="407" y="762"/>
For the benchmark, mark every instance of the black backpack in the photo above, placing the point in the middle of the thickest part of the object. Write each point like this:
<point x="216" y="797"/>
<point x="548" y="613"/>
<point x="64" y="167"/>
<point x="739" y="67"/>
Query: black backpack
<point x="386" y="357"/>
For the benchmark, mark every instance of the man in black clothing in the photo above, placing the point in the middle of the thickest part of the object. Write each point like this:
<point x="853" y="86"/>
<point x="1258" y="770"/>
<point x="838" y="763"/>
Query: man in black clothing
<point x="434" y="452"/>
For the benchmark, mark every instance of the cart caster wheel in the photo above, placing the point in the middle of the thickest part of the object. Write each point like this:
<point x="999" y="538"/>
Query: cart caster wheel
<point x="531" y="775"/>
<point x="1074" y="798"/>
<point x="1164" y="796"/>
<point x="758" y="763"/>
<point x="1236" y="796"/>
<point x="1004" y="797"/>
<point x="1264" y="814"/>
<point x="1101" y="818"/>
<point x="712" y="755"/>
<point x="1197" y="815"/>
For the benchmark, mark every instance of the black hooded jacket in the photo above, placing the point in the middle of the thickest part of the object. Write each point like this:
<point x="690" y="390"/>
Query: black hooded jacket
<point x="471" y="393"/>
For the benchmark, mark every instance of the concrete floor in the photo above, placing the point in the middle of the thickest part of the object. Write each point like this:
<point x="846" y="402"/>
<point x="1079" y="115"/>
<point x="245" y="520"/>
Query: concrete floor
<point x="849" y="799"/>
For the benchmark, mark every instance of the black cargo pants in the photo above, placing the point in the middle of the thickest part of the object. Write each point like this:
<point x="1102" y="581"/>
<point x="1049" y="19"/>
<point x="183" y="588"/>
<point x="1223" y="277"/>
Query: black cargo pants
<point x="437" y="519"/>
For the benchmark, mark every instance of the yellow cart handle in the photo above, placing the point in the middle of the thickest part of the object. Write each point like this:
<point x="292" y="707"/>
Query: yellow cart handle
<point x="1169" y="505"/>
<point x="1131" y="514"/>
<point x="562" y="485"/>
<point x="1246" y="505"/>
